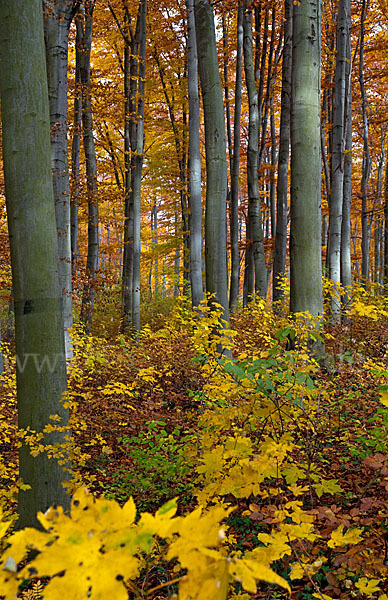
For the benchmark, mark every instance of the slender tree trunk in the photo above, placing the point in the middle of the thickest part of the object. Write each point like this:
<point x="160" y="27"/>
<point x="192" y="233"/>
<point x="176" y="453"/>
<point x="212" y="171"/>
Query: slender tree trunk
<point x="58" y="15"/>
<point x="85" y="27"/>
<point x="346" y="266"/>
<point x="234" y="178"/>
<point x="337" y="161"/>
<point x="134" y="78"/>
<point x="216" y="163"/>
<point x="366" y="158"/>
<point x="386" y="225"/>
<point x="255" y="246"/>
<point x="155" y="247"/>
<point x="305" y="243"/>
<point x="40" y="348"/>
<point x="137" y="168"/>
<point x="377" y="250"/>
<point x="273" y="159"/>
<point x="75" y="155"/>
<point x="129" y="123"/>
<point x="378" y="230"/>
<point x="195" y="203"/>
<point x="226" y="90"/>
<point x="279" y="266"/>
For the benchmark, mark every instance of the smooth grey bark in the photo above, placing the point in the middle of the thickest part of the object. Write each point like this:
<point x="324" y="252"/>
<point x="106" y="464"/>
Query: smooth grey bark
<point x="386" y="224"/>
<point x="226" y="90"/>
<point x="195" y="204"/>
<point x="346" y="264"/>
<point x="376" y="216"/>
<point x="40" y="347"/>
<point x="154" y="229"/>
<point x="216" y="162"/>
<point x="377" y="249"/>
<point x="75" y="191"/>
<point x="58" y="15"/>
<point x="134" y="76"/>
<point x="279" y="264"/>
<point x="85" y="31"/>
<point x="256" y="269"/>
<point x="337" y="161"/>
<point x="234" y="177"/>
<point x="366" y="158"/>
<point x="137" y="155"/>
<point x="273" y="159"/>
<point x="305" y="238"/>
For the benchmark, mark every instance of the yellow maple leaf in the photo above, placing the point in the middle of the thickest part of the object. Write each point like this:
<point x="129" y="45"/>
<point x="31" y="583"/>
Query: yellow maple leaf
<point x="338" y="538"/>
<point x="367" y="586"/>
<point x="248" y="571"/>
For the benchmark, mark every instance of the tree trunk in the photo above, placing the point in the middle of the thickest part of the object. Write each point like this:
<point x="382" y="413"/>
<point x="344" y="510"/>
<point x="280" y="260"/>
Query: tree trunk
<point x="134" y="75"/>
<point x="216" y="163"/>
<point x="40" y="348"/>
<point x="58" y="15"/>
<point x="255" y="246"/>
<point x="234" y="177"/>
<point x="386" y="225"/>
<point x="366" y="158"/>
<point x="337" y="161"/>
<point x="85" y="29"/>
<point x="137" y="154"/>
<point x="195" y="204"/>
<point x="279" y="265"/>
<point x="75" y="154"/>
<point x="305" y="242"/>
<point x="346" y="265"/>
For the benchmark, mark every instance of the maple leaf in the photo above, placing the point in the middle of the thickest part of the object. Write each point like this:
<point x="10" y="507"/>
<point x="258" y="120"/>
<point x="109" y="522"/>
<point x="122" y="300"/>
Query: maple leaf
<point x="367" y="586"/>
<point x="338" y="538"/>
<point x="247" y="571"/>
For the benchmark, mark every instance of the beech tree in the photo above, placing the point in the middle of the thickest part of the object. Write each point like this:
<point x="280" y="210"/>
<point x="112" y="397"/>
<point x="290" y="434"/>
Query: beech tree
<point x="256" y="272"/>
<point x="337" y="159"/>
<point x="58" y="15"/>
<point x="234" y="176"/>
<point x="305" y="242"/>
<point x="216" y="162"/>
<point x="40" y="348"/>
<point x="194" y="161"/>
<point x="84" y="43"/>
<point x="279" y="264"/>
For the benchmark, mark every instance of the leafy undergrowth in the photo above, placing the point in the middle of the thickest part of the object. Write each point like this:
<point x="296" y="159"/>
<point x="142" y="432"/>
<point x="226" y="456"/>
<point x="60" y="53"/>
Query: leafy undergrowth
<point x="298" y="453"/>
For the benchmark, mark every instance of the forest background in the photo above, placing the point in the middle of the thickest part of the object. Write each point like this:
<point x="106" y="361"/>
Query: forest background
<point x="266" y="405"/>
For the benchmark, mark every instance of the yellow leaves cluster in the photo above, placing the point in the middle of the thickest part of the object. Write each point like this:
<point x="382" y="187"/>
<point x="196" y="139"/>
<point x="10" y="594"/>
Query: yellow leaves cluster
<point x="99" y="547"/>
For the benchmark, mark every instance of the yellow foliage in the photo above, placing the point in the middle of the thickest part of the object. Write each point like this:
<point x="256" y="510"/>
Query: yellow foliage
<point x="367" y="586"/>
<point x="338" y="538"/>
<point x="97" y="548"/>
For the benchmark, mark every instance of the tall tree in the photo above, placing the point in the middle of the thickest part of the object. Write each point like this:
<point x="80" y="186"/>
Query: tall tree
<point x="337" y="159"/>
<point x="305" y="242"/>
<point x="366" y="157"/>
<point x="75" y="189"/>
<point x="40" y="348"/>
<point x="234" y="176"/>
<point x="58" y="15"/>
<point x="346" y="265"/>
<point x="216" y="162"/>
<point x="256" y="271"/>
<point x="279" y="264"/>
<point x="195" y="204"/>
<point x="134" y="83"/>
<point x="84" y="40"/>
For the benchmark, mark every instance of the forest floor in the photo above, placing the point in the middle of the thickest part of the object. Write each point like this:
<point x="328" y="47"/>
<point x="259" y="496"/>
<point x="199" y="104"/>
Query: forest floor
<point x="147" y="417"/>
